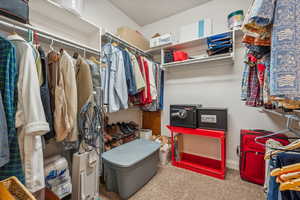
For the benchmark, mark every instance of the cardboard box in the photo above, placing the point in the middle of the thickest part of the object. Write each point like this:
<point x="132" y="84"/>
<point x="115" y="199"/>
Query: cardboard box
<point x="196" y="30"/>
<point x="133" y="37"/>
<point x="161" y="40"/>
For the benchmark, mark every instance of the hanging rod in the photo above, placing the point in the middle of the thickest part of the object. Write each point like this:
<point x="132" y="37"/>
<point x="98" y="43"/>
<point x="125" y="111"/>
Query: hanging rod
<point x="126" y="44"/>
<point x="46" y="35"/>
<point x="291" y="116"/>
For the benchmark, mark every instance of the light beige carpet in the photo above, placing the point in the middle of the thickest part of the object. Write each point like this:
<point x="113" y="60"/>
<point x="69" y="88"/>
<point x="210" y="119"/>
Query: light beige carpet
<point x="172" y="183"/>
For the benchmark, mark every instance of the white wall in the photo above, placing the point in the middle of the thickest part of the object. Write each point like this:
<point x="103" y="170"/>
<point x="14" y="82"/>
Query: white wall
<point x="105" y="15"/>
<point x="212" y="84"/>
<point x="217" y="10"/>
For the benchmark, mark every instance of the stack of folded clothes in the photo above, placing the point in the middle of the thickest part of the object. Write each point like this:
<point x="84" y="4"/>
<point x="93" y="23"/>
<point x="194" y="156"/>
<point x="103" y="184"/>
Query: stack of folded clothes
<point x="120" y="133"/>
<point x="219" y="44"/>
<point x="169" y="56"/>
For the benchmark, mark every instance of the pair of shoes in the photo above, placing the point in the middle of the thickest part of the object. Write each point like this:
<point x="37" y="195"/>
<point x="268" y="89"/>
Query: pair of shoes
<point x="124" y="128"/>
<point x="128" y="128"/>
<point x="129" y="138"/>
<point x="133" y="126"/>
<point x="107" y="147"/>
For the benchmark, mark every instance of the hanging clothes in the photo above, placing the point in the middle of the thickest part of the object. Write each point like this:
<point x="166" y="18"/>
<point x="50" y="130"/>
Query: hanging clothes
<point x="58" y="97"/>
<point x="253" y="89"/>
<point x="8" y="88"/>
<point x="69" y="86"/>
<point x="30" y="117"/>
<point x="138" y="77"/>
<point x="38" y="63"/>
<point x="131" y="86"/>
<point x="245" y="80"/>
<point x="257" y="23"/>
<point x="96" y="79"/>
<point x="162" y="85"/>
<point x="155" y="105"/>
<point x="152" y="79"/>
<point x="4" y="147"/>
<point x="114" y="79"/>
<point x="146" y="94"/>
<point x="280" y="160"/>
<point x="45" y="94"/>
<point x="285" y="52"/>
<point x="83" y="82"/>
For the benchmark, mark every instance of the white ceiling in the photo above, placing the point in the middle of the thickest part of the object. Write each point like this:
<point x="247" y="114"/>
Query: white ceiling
<point x="145" y="12"/>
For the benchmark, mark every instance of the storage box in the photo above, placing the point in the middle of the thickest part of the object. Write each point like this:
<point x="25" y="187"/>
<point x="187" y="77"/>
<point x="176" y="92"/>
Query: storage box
<point x="196" y="30"/>
<point x="129" y="167"/>
<point x="212" y="118"/>
<point x="161" y="40"/>
<point x="133" y="37"/>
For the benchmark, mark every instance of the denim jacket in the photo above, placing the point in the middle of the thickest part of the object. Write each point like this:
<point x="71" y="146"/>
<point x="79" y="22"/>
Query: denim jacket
<point x="132" y="90"/>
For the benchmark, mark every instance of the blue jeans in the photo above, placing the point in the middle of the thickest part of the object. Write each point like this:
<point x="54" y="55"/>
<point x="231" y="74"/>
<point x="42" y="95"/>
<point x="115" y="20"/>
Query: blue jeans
<point x="273" y="189"/>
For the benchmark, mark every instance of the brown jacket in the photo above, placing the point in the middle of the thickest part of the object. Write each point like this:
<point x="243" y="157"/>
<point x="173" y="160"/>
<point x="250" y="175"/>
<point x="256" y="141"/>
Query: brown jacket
<point x="84" y="83"/>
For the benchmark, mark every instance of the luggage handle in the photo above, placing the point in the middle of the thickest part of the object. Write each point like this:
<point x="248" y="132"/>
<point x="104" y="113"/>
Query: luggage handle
<point x="238" y="150"/>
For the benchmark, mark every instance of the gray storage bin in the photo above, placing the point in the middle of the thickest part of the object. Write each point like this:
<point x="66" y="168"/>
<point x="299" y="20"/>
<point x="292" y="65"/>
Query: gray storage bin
<point x="129" y="167"/>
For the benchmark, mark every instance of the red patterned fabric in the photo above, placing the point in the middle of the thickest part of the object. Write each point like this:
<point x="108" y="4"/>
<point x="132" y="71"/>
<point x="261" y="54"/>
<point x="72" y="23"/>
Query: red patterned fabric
<point x="145" y="95"/>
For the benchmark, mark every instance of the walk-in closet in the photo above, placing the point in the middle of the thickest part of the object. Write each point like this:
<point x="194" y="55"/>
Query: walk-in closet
<point x="149" y="100"/>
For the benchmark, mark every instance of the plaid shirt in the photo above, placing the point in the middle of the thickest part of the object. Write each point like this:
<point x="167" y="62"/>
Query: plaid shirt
<point x="253" y="91"/>
<point x="8" y="82"/>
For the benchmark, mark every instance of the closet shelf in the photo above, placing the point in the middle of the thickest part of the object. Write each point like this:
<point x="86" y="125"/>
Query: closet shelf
<point x="222" y="57"/>
<point x="192" y="43"/>
<point x="295" y="115"/>
<point x="44" y="36"/>
<point x="60" y="16"/>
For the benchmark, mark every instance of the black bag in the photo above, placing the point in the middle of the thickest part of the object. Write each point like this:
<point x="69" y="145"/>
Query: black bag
<point x="15" y="9"/>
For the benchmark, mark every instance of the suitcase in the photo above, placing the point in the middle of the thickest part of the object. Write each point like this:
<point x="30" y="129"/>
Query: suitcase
<point x="252" y="163"/>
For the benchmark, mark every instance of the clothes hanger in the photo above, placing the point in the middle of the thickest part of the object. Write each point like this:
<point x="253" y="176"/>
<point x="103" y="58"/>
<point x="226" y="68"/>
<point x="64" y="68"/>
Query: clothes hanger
<point x="286" y="169"/>
<point x="36" y="40"/>
<point x="14" y="32"/>
<point x="75" y="55"/>
<point x="287" y="177"/>
<point x="294" y="145"/>
<point x="51" y="45"/>
<point x="115" y="44"/>
<point x="290" y="185"/>
<point x="93" y="59"/>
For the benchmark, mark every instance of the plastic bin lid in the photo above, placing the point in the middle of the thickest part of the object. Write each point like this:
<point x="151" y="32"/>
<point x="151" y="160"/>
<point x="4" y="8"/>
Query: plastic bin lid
<point x="131" y="153"/>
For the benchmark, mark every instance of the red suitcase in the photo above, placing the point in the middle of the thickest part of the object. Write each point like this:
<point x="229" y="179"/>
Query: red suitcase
<point x="252" y="163"/>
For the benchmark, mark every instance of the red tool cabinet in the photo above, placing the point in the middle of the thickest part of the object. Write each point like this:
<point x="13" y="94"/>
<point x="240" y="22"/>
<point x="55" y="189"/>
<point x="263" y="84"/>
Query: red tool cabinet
<point x="200" y="164"/>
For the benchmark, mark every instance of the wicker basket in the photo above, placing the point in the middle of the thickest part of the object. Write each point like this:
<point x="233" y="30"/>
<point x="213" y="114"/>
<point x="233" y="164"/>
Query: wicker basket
<point x="17" y="189"/>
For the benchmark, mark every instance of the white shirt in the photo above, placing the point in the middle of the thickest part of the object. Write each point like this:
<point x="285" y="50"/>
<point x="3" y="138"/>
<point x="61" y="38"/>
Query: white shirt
<point x="153" y="89"/>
